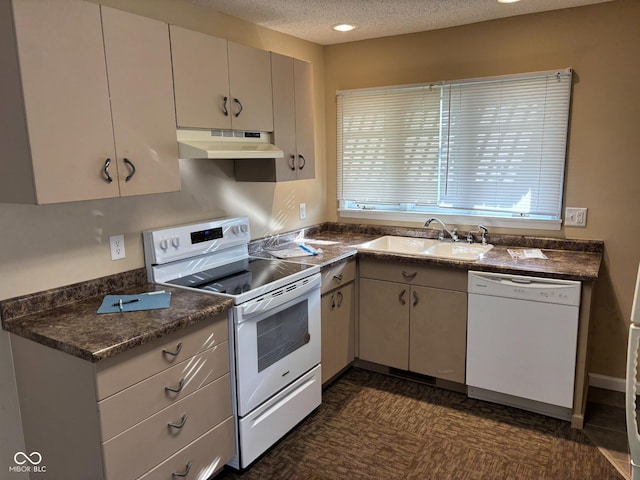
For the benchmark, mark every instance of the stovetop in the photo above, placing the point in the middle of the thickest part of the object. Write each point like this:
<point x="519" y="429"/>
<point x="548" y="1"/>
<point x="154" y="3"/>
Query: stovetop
<point x="241" y="276"/>
<point x="212" y="257"/>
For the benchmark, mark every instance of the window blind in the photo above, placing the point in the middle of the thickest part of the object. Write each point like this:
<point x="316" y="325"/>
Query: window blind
<point x="388" y="143"/>
<point x="481" y="145"/>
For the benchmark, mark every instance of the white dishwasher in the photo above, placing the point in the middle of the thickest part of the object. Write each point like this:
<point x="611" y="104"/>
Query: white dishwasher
<point x="521" y="341"/>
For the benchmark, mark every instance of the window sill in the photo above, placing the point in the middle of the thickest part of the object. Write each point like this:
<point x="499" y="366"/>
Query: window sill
<point x="520" y="223"/>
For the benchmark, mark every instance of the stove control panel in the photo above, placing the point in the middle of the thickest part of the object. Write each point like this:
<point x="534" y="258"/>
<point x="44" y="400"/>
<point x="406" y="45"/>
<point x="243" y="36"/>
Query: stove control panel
<point x="186" y="241"/>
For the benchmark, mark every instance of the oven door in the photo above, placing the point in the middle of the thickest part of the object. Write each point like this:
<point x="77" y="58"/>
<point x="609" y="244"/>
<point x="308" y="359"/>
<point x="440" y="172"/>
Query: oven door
<point x="277" y="340"/>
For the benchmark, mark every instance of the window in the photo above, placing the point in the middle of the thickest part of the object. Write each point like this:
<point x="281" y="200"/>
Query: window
<point x="491" y="148"/>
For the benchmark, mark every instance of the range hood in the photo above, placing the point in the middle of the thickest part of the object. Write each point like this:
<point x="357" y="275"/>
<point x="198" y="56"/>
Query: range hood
<point x="226" y="144"/>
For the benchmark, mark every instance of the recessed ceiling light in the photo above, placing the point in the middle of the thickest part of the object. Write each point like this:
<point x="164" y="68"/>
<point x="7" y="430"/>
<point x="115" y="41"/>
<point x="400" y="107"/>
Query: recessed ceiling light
<point x="508" y="1"/>
<point x="344" y="27"/>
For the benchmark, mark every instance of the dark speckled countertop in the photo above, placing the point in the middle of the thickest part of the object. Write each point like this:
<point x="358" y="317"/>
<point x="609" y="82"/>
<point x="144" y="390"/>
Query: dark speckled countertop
<point x="66" y="318"/>
<point x="566" y="259"/>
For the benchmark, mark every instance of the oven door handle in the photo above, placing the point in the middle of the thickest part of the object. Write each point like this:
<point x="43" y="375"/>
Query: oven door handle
<point x="274" y="299"/>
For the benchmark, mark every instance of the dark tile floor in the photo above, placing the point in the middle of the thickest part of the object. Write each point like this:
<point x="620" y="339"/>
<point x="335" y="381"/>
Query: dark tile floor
<point x="605" y="425"/>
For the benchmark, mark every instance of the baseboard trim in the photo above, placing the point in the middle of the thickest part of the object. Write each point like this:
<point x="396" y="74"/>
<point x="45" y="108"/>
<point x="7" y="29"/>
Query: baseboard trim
<point x="610" y="383"/>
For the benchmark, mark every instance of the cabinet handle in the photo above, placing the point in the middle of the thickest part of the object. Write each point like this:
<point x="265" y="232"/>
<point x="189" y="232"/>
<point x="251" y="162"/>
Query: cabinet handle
<point x="175" y="352"/>
<point x="292" y="162"/>
<point x="237" y="114"/>
<point x="333" y="301"/>
<point x="340" y="297"/>
<point x="224" y="106"/>
<point x="183" y="420"/>
<point x="302" y="162"/>
<point x="176" y="389"/>
<point x="401" y="297"/>
<point x="338" y="278"/>
<point x="409" y="276"/>
<point x="182" y="474"/>
<point x="132" y="169"/>
<point x="415" y="298"/>
<point x="105" y="170"/>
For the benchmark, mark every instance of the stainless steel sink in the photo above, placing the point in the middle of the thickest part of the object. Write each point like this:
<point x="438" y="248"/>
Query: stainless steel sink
<point x="426" y="247"/>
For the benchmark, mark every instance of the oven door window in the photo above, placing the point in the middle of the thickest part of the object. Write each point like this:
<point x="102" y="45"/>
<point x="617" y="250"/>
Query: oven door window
<point x="282" y="333"/>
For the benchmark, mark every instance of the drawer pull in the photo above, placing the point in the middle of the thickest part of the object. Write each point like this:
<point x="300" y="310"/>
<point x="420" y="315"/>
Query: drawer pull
<point x="182" y="474"/>
<point x="340" y="298"/>
<point x="409" y="276"/>
<point x="132" y="169"/>
<point x="105" y="171"/>
<point x="174" y="353"/>
<point x="415" y="298"/>
<point x="338" y="278"/>
<point x="401" y="297"/>
<point x="183" y="420"/>
<point x="176" y="389"/>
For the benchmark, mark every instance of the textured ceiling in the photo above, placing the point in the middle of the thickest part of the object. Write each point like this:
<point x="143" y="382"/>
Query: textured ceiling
<point x="312" y="19"/>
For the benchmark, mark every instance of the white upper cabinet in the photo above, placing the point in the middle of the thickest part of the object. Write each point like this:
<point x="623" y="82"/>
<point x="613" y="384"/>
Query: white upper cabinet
<point x="293" y="126"/>
<point x="293" y="116"/>
<point x="57" y="126"/>
<point x="141" y="85"/>
<point x="220" y="84"/>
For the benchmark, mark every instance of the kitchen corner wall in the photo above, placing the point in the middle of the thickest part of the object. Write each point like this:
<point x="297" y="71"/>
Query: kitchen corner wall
<point x="53" y="245"/>
<point x="601" y="43"/>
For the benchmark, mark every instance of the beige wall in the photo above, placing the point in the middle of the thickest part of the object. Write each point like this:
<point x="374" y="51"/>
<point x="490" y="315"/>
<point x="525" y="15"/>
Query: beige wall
<point x="602" y="44"/>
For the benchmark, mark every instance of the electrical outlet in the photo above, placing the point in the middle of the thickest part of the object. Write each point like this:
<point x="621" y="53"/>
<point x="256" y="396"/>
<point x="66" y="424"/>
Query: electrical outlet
<point x="117" y="247"/>
<point x="303" y="211"/>
<point x="575" y="217"/>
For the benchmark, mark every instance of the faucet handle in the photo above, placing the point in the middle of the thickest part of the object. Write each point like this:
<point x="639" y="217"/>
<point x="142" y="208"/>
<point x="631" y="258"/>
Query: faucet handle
<point x="485" y="233"/>
<point x="454" y="235"/>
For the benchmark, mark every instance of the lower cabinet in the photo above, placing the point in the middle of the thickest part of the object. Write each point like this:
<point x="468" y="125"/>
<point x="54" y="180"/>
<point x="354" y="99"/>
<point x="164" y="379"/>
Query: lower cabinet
<point x="338" y="318"/>
<point x="414" y="318"/>
<point x="158" y="410"/>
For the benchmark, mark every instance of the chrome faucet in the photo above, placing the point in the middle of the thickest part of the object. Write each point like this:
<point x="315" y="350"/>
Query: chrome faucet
<point x="453" y="234"/>
<point x="483" y="230"/>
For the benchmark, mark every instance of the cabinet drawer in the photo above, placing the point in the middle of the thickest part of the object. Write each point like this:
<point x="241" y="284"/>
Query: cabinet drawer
<point x="201" y="458"/>
<point x="200" y="412"/>
<point x="132" y="405"/>
<point x="415" y="274"/>
<point x="334" y="276"/>
<point x="122" y="371"/>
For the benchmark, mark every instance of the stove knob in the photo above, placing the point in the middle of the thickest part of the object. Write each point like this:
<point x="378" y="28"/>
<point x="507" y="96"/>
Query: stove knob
<point x="175" y="241"/>
<point x="164" y="244"/>
<point x="244" y="228"/>
<point x="235" y="229"/>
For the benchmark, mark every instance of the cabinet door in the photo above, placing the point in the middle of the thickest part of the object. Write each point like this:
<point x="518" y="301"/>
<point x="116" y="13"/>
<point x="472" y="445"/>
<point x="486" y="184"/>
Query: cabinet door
<point x="438" y="333"/>
<point x="66" y="99"/>
<point x="201" y="79"/>
<point x="251" y="100"/>
<point x="284" y="116"/>
<point x="303" y="73"/>
<point x="338" y="331"/>
<point x="141" y="85"/>
<point x="384" y="323"/>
